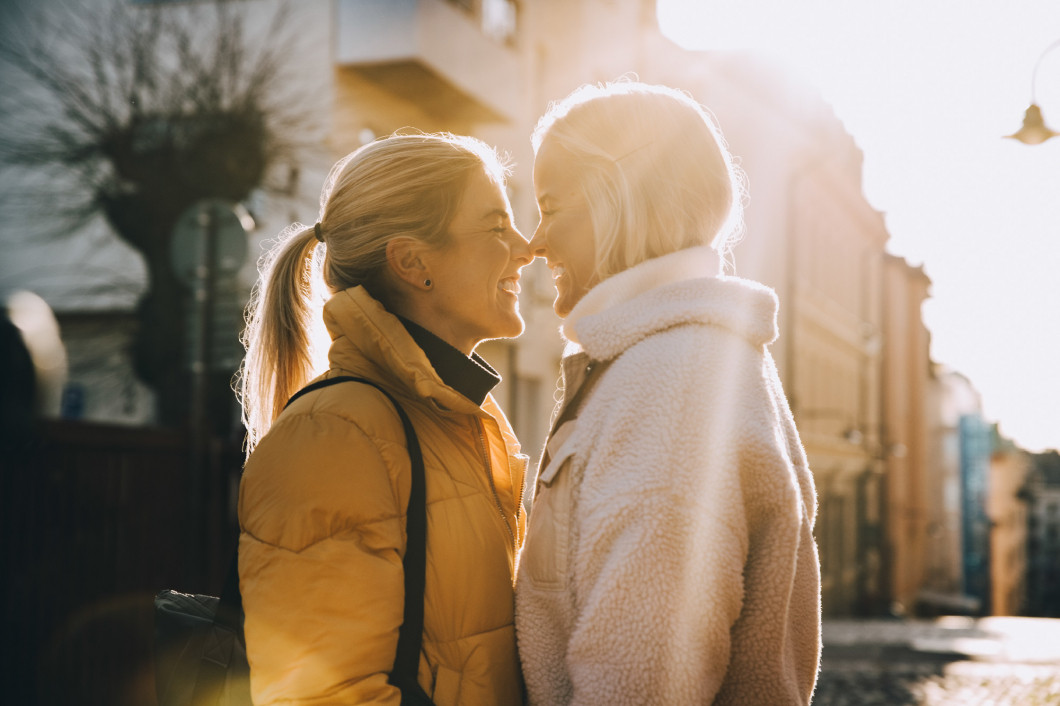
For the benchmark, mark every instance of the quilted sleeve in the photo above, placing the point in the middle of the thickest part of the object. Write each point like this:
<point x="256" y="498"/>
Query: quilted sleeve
<point x="320" y="560"/>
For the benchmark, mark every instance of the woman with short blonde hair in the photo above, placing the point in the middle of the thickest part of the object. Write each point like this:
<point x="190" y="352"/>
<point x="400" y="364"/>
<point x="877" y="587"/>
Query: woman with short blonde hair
<point x="670" y="557"/>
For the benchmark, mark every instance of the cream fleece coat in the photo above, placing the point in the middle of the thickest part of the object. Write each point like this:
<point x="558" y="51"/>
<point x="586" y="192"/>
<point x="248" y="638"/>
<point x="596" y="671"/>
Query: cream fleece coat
<point x="669" y="557"/>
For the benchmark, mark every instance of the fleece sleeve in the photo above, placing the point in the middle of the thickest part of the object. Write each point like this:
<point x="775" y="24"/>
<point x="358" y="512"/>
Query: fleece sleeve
<point x="663" y="541"/>
<point x="320" y="562"/>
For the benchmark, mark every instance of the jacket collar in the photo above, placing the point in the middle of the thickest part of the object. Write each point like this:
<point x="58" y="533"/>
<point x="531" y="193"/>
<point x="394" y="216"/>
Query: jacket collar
<point x="683" y="287"/>
<point x="472" y="376"/>
<point x="368" y="340"/>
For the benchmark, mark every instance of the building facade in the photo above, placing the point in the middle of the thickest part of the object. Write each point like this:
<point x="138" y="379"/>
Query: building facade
<point x="976" y="445"/>
<point x="1043" y="547"/>
<point x="951" y="396"/>
<point x="1006" y="506"/>
<point x="903" y="436"/>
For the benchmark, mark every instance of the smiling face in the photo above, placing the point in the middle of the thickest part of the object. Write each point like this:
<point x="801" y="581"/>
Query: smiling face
<point x="475" y="276"/>
<point x="564" y="237"/>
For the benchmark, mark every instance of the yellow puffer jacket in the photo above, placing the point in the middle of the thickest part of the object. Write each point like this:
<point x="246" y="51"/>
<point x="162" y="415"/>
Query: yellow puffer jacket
<point x="322" y="513"/>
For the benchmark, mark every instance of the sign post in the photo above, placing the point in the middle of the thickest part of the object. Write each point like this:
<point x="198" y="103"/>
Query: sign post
<point x="209" y="245"/>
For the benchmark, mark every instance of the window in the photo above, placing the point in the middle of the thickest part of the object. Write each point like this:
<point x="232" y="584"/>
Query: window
<point x="499" y="19"/>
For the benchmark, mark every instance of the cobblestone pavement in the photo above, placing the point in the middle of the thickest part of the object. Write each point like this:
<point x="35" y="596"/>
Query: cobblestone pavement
<point x="911" y="680"/>
<point x="921" y="663"/>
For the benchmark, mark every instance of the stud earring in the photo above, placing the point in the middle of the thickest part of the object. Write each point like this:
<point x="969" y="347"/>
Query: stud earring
<point x="427" y="283"/>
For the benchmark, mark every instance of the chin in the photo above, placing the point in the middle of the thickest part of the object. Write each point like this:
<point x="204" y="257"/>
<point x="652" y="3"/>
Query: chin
<point x="562" y="304"/>
<point x="512" y="328"/>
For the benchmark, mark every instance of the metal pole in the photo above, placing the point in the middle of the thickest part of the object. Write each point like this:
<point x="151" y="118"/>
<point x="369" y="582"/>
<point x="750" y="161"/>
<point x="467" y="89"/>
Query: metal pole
<point x="200" y="457"/>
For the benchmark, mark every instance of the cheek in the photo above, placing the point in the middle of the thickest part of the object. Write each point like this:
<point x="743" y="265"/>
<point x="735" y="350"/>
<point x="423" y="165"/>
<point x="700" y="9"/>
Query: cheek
<point x="584" y="258"/>
<point x="563" y="239"/>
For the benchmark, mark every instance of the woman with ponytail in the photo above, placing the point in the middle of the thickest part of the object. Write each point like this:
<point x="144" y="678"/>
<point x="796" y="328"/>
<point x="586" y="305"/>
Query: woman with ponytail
<point x="418" y="260"/>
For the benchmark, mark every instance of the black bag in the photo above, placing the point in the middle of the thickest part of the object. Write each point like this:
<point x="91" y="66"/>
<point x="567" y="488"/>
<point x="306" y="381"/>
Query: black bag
<point x="200" y="652"/>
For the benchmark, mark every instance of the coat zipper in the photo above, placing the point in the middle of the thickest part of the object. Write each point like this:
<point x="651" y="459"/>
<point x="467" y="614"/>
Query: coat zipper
<point x="522" y="492"/>
<point x="493" y="486"/>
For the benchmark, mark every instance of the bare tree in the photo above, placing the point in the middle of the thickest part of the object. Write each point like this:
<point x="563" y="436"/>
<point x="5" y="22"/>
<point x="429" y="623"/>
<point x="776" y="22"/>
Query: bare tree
<point x="140" y="110"/>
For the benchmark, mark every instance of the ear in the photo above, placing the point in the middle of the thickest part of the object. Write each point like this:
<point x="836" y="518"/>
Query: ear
<point x="406" y="261"/>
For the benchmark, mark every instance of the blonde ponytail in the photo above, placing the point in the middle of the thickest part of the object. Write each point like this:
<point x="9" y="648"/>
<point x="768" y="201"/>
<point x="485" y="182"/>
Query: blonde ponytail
<point x="280" y="321"/>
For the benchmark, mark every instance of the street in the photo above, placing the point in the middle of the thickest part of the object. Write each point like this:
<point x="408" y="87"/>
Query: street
<point x="945" y="662"/>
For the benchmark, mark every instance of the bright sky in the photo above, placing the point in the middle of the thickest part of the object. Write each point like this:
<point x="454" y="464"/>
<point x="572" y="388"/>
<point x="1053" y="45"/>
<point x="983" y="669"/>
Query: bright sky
<point x="927" y="88"/>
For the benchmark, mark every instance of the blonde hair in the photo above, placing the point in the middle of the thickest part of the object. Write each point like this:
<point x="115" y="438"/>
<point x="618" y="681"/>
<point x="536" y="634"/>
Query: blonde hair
<point x="657" y="174"/>
<point x="402" y="185"/>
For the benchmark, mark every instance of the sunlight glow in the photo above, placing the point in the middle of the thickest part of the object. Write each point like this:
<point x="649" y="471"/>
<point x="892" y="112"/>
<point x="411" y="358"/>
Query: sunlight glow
<point x="927" y="90"/>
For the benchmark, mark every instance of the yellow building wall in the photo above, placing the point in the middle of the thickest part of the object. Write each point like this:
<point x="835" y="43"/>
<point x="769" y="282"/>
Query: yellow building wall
<point x="1007" y="510"/>
<point x="906" y="375"/>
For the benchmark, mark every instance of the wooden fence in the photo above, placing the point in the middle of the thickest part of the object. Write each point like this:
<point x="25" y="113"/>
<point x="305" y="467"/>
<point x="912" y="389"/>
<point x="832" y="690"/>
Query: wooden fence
<point x="95" y="520"/>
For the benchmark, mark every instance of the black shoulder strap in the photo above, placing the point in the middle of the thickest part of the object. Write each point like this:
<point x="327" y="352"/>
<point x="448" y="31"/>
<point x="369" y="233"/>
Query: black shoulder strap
<point x="410" y="636"/>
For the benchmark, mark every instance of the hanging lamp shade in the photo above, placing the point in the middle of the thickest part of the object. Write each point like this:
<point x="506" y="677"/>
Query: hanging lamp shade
<point x="1034" y="130"/>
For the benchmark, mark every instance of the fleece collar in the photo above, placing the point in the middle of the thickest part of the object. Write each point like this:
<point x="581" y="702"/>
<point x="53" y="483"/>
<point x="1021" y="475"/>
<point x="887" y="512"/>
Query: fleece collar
<point x="679" y="288"/>
<point x="691" y="263"/>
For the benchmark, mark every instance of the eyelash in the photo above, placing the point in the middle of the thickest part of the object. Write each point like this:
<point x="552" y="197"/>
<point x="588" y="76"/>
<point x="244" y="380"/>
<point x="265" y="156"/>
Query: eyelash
<point x="499" y="230"/>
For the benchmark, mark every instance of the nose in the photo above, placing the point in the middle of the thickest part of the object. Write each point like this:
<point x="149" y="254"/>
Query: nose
<point x="520" y="248"/>
<point x="537" y="242"/>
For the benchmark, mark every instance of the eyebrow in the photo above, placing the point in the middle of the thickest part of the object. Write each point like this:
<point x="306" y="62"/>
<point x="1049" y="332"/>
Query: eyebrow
<point x="496" y="212"/>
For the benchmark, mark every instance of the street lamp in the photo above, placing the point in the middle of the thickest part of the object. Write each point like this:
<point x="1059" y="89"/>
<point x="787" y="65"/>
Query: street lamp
<point x="1034" y="130"/>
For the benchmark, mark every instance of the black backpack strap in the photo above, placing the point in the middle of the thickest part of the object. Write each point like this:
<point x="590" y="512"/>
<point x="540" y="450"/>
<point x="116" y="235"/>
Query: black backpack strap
<point x="410" y="636"/>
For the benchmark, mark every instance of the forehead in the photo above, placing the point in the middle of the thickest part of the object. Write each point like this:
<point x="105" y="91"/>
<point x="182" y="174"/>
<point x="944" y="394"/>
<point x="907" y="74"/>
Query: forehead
<point x="555" y="170"/>
<point x="483" y="197"/>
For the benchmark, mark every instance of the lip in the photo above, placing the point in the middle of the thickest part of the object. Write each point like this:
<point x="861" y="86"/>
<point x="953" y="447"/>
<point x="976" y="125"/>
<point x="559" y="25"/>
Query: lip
<point x="557" y="270"/>
<point x="514" y="288"/>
